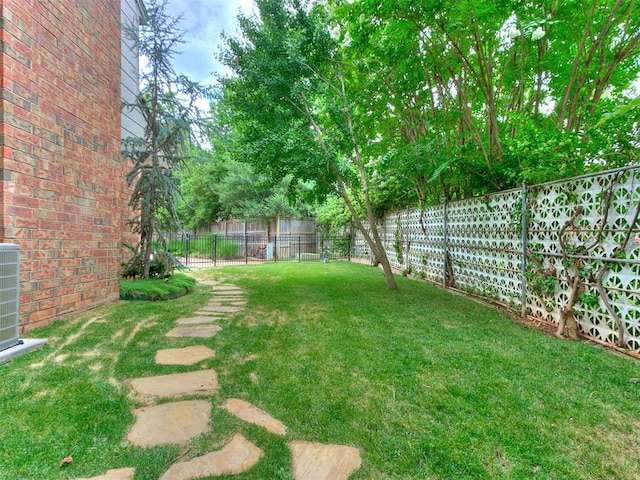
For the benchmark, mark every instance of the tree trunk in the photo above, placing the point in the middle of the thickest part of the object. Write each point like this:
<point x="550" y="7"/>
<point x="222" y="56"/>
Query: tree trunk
<point x="388" y="273"/>
<point x="147" y="251"/>
<point x="373" y="240"/>
<point x="568" y="322"/>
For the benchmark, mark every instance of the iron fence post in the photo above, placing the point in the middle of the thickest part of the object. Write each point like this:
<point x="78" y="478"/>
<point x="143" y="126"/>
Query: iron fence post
<point x="188" y="248"/>
<point x="246" y="249"/>
<point x="299" y="249"/>
<point x="215" y="250"/>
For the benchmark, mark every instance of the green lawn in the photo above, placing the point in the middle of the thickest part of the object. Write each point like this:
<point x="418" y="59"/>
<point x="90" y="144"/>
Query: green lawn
<point x="428" y="385"/>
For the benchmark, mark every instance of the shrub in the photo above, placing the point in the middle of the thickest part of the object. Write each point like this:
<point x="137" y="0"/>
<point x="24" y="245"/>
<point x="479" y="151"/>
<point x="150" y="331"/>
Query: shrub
<point x="227" y="249"/>
<point x="161" y="265"/>
<point x="155" y="288"/>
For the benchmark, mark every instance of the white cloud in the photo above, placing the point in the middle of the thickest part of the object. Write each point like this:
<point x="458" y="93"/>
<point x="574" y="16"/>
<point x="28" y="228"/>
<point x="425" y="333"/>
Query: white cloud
<point x="203" y="22"/>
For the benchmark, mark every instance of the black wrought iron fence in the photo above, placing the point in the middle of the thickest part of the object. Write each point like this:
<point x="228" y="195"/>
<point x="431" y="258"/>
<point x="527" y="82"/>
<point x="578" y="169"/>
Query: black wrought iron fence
<point x="214" y="249"/>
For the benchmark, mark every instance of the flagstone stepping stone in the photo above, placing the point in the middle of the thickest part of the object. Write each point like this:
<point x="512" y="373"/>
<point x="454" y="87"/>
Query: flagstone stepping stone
<point x="316" y="461"/>
<point x="198" y="320"/>
<point x="223" y="287"/>
<point x="221" y="309"/>
<point x="213" y="316"/>
<point x="236" y="457"/>
<point x="116" y="474"/>
<point x="183" y="356"/>
<point x="200" y="331"/>
<point x="218" y="308"/>
<point x="170" y="423"/>
<point x="208" y="283"/>
<point x="200" y="381"/>
<point x="249" y="413"/>
<point x="222" y="300"/>
<point x="227" y="298"/>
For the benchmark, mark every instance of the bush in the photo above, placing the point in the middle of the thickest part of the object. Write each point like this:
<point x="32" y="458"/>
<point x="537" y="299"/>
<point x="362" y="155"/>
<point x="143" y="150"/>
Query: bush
<point x="227" y="249"/>
<point x="162" y="263"/>
<point x="156" y="288"/>
<point x="202" y="246"/>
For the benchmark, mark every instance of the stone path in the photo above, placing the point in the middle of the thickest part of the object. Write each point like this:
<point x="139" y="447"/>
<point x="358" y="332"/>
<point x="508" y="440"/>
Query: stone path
<point x="117" y="474"/>
<point x="197" y="320"/>
<point x="184" y="356"/>
<point x="247" y="412"/>
<point x="177" y="422"/>
<point x="202" y="331"/>
<point x="315" y="461"/>
<point x="170" y="423"/>
<point x="198" y="382"/>
<point x="237" y="456"/>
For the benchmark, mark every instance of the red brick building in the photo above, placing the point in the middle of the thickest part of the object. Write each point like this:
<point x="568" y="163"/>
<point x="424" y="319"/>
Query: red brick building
<point x="63" y="194"/>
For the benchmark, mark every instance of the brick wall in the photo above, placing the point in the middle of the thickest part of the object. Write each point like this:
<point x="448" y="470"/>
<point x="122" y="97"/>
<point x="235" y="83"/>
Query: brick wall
<point x="62" y="194"/>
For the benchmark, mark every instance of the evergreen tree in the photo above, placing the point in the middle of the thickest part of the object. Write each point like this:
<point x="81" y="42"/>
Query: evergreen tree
<point x="172" y="121"/>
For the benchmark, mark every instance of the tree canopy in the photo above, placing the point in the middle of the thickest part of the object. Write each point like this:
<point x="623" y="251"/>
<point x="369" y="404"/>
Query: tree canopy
<point x="168" y="105"/>
<point x="445" y="98"/>
<point x="476" y="96"/>
<point x="293" y="111"/>
<point x="395" y="103"/>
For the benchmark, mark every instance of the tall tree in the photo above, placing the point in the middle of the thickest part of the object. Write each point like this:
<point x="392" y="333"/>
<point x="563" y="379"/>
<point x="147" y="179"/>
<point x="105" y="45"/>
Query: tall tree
<point x="199" y="202"/>
<point x="292" y="105"/>
<point x="168" y="104"/>
<point x="475" y="96"/>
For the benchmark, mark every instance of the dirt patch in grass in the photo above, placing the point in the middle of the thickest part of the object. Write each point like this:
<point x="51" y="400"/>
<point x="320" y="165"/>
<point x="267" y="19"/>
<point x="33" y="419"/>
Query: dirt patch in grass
<point x="146" y="323"/>
<point x="619" y="434"/>
<point x="262" y="317"/>
<point x="240" y="359"/>
<point x="118" y="334"/>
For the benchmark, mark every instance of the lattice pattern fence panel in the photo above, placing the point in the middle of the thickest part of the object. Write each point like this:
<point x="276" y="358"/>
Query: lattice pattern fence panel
<point x="608" y="203"/>
<point x="424" y="240"/>
<point x="483" y="241"/>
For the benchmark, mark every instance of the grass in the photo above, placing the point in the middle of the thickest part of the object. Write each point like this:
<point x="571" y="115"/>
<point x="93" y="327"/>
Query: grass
<point x="156" y="288"/>
<point x="428" y="385"/>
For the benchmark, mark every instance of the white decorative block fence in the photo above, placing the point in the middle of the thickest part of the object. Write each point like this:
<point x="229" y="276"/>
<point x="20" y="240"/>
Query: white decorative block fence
<point x="483" y="239"/>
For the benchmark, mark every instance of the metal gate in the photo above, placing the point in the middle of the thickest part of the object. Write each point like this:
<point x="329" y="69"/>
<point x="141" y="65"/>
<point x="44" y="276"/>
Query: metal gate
<point x="218" y="250"/>
<point x="9" y="294"/>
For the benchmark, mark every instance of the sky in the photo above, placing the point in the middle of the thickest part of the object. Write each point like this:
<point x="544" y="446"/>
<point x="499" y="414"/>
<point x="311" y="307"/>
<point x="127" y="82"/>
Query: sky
<point x="203" y="23"/>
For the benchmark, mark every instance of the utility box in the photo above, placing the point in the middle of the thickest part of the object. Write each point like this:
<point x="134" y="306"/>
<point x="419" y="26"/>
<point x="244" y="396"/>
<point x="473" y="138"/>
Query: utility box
<point x="9" y="294"/>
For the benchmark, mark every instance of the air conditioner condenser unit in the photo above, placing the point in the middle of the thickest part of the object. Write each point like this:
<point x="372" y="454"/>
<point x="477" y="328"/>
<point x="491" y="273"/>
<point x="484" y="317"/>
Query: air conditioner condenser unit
<point x="9" y="295"/>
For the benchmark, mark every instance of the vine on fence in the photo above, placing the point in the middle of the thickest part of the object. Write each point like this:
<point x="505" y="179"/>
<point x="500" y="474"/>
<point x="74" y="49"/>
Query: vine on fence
<point x="579" y="236"/>
<point x="578" y="275"/>
<point x="619" y="252"/>
<point x="541" y="280"/>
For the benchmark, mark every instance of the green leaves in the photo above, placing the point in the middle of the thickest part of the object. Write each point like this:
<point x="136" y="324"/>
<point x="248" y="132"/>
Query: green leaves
<point x="504" y="91"/>
<point x="167" y="104"/>
<point x="620" y="111"/>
